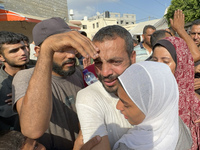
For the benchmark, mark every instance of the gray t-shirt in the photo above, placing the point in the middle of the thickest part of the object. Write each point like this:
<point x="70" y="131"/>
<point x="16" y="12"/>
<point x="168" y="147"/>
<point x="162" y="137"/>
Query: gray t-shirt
<point x="64" y="124"/>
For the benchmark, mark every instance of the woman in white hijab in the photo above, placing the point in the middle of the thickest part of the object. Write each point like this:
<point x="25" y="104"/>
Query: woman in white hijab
<point x="149" y="100"/>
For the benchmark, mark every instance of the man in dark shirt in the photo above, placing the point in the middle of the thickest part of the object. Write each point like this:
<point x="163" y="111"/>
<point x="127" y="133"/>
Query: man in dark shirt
<point x="14" y="56"/>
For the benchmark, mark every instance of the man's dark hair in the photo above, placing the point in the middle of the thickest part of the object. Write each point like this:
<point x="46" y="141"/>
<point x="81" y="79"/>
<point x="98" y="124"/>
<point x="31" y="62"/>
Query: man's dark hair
<point x="157" y="35"/>
<point x="172" y="31"/>
<point x="147" y="27"/>
<point x="11" y="140"/>
<point x="112" y="32"/>
<point x="8" y="38"/>
<point x="23" y="37"/>
<point x="196" y="22"/>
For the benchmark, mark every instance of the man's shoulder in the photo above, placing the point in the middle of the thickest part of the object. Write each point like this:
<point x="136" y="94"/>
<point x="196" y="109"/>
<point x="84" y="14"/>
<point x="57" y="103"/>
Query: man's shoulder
<point x="78" y="73"/>
<point x="95" y="87"/>
<point x="2" y="72"/>
<point x="25" y="71"/>
<point x="76" y="78"/>
<point x="139" y="46"/>
<point x="23" y="74"/>
<point x="3" y="76"/>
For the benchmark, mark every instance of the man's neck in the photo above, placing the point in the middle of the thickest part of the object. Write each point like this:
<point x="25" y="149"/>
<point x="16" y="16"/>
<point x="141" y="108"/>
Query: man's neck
<point x="147" y="47"/>
<point x="56" y="74"/>
<point x="12" y="70"/>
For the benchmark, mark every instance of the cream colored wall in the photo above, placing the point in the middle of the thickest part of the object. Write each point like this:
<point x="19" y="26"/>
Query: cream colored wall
<point x="102" y="23"/>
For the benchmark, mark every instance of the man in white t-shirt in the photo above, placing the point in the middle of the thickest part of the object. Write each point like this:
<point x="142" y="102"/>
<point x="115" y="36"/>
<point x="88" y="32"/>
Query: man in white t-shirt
<point x="96" y="104"/>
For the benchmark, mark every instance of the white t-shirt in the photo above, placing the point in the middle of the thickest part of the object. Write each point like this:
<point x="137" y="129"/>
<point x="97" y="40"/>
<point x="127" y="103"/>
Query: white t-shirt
<point x="98" y="115"/>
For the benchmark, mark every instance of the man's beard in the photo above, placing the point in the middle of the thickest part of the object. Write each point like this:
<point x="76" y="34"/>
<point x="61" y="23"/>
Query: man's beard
<point x="111" y="89"/>
<point x="108" y="89"/>
<point x="59" y="69"/>
<point x="12" y="64"/>
<point x="149" y="44"/>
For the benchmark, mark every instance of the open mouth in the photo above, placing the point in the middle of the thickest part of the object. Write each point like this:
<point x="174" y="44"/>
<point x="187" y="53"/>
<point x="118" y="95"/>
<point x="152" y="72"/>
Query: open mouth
<point x="110" y="82"/>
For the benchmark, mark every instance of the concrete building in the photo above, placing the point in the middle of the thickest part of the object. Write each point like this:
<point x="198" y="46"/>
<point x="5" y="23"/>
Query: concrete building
<point x="33" y="11"/>
<point x="93" y="24"/>
<point x="159" y="24"/>
<point x="137" y="31"/>
<point x="38" y="8"/>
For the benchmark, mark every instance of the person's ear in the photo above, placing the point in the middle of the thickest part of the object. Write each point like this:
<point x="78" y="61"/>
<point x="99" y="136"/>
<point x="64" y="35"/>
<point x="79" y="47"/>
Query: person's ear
<point x="133" y="57"/>
<point x="37" y="51"/>
<point x="2" y="58"/>
<point x="142" y="36"/>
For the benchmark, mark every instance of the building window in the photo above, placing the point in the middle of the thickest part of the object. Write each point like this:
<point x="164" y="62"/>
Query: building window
<point x="122" y="21"/>
<point x="127" y="23"/>
<point x="93" y="25"/>
<point x="2" y="6"/>
<point x="84" y="26"/>
<point x="97" y="25"/>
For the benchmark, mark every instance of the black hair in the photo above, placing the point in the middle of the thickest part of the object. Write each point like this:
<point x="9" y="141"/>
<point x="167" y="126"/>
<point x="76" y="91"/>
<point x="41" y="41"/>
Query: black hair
<point x="23" y="37"/>
<point x="172" y="31"/>
<point x="147" y="27"/>
<point x="112" y="32"/>
<point x="8" y="38"/>
<point x="157" y="35"/>
<point x="11" y="140"/>
<point x="196" y="22"/>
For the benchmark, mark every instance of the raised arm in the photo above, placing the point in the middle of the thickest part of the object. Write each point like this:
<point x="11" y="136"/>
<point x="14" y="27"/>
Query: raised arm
<point x="177" y="24"/>
<point x="35" y="107"/>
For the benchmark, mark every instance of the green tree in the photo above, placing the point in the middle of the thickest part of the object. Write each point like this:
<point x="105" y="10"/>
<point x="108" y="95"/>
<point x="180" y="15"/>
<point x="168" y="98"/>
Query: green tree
<point x="190" y="8"/>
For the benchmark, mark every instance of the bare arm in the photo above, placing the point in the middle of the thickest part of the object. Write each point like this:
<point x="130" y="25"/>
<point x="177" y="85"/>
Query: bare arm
<point x="178" y="25"/>
<point x="35" y="107"/>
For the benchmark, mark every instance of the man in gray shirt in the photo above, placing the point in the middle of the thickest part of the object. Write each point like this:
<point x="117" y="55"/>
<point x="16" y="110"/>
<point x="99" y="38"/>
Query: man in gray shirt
<point x="44" y="97"/>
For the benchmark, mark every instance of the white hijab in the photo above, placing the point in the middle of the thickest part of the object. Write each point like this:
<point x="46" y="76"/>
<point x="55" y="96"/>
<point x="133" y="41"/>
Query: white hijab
<point x="153" y="88"/>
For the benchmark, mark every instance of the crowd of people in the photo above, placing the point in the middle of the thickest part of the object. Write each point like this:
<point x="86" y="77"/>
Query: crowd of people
<point x="146" y="97"/>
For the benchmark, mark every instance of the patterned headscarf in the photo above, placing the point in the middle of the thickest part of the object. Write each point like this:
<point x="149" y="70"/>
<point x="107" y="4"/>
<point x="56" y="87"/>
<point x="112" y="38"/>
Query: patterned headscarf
<point x="189" y="104"/>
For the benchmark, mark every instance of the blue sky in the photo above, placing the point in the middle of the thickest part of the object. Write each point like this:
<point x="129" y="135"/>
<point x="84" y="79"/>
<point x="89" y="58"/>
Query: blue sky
<point x="144" y="9"/>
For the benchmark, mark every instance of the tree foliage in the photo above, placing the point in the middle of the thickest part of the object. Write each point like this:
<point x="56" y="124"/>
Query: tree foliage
<point x="190" y="8"/>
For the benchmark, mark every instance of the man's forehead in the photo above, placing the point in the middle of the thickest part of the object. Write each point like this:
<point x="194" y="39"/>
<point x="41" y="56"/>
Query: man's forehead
<point x="110" y="42"/>
<point x="195" y="27"/>
<point x="13" y="46"/>
<point x="150" y="30"/>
